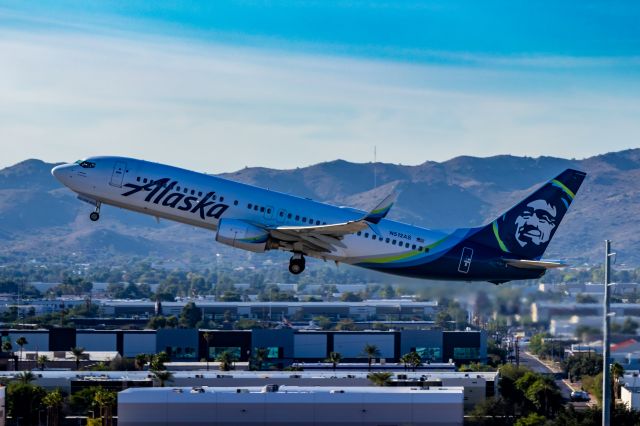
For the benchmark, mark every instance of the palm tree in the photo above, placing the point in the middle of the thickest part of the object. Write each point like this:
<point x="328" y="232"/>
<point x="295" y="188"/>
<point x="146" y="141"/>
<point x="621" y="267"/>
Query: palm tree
<point x="380" y="378"/>
<point x="106" y="400"/>
<point x="207" y="338"/>
<point x="617" y="371"/>
<point x="53" y="402"/>
<point x="226" y="360"/>
<point x="163" y="376"/>
<point x="7" y="346"/>
<point x="42" y="361"/>
<point x="141" y="360"/>
<point x="78" y="353"/>
<point x="261" y="355"/>
<point x="371" y="351"/>
<point x="21" y="341"/>
<point x="25" y="377"/>
<point x="411" y="359"/>
<point x="334" y="358"/>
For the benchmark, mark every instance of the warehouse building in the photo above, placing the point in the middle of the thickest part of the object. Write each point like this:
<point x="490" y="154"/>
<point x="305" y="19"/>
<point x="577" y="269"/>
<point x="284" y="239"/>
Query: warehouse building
<point x="284" y="346"/>
<point x="291" y="405"/>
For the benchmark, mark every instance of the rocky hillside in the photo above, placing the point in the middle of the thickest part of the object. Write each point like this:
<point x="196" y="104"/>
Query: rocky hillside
<point x="39" y="217"/>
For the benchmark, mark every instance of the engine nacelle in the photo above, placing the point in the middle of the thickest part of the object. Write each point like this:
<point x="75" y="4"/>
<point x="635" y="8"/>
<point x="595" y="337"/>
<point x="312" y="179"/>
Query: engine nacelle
<point x="243" y="235"/>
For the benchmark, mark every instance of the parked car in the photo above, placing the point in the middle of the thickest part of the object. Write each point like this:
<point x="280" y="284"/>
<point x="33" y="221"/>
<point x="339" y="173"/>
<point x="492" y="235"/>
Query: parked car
<point x="580" y="396"/>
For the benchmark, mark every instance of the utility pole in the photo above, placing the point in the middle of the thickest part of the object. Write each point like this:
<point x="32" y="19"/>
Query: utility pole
<point x="606" y="372"/>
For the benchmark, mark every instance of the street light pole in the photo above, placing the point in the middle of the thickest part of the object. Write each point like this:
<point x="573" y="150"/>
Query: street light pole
<point x="606" y="372"/>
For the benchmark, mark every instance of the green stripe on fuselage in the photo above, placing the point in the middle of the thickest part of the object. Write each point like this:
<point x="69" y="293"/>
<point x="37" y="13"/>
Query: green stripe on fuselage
<point x="495" y="232"/>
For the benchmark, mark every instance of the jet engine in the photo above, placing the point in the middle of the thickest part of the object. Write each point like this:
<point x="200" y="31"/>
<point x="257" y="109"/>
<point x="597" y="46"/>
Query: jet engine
<point x="243" y="235"/>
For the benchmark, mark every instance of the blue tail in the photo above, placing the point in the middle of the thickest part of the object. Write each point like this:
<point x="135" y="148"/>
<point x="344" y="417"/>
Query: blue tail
<point x="524" y="232"/>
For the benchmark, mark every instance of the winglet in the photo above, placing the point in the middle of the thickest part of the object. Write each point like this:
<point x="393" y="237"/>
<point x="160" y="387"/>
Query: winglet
<point x="382" y="209"/>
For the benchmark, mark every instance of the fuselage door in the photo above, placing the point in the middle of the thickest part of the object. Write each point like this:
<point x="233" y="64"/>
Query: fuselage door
<point x="118" y="174"/>
<point x="465" y="260"/>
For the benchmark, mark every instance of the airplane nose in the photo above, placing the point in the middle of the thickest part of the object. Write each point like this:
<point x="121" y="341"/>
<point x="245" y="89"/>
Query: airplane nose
<point x="61" y="172"/>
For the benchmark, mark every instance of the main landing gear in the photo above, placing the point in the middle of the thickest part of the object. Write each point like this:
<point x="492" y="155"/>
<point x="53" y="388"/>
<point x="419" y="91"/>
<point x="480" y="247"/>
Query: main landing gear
<point x="95" y="215"/>
<point x="296" y="264"/>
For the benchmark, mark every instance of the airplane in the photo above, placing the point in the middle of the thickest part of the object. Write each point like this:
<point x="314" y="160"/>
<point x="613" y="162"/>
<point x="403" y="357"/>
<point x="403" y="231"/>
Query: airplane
<point x="257" y="219"/>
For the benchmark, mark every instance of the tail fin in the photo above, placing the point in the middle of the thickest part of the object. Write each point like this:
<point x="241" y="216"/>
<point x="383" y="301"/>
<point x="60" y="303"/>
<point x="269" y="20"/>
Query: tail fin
<point x="527" y="228"/>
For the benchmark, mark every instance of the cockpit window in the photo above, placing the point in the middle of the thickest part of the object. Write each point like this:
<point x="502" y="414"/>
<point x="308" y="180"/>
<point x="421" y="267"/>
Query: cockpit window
<point x="86" y="164"/>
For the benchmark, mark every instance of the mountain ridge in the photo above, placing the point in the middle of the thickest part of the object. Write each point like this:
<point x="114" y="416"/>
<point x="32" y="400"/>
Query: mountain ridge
<point x="38" y="215"/>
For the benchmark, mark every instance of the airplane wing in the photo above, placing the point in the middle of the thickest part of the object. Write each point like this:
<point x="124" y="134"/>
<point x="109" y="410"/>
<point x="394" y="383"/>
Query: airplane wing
<point x="325" y="238"/>
<point x="535" y="264"/>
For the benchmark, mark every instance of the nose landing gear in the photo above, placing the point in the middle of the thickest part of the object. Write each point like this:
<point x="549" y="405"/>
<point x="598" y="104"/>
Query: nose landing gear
<point x="296" y="264"/>
<point x="95" y="215"/>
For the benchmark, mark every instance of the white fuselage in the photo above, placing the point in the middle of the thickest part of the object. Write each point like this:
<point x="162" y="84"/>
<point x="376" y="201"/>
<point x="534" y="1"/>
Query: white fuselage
<point x="203" y="200"/>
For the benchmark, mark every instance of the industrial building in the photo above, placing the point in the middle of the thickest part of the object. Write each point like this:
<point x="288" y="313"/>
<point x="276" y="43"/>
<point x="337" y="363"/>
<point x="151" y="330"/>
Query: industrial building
<point x="291" y="405"/>
<point x="285" y="346"/>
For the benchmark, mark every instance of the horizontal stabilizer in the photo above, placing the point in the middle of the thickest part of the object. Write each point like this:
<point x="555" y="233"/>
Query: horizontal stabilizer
<point x="534" y="264"/>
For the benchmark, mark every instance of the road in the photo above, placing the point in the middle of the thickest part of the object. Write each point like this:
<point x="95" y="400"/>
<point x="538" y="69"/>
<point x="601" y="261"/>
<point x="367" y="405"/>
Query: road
<point x="530" y="361"/>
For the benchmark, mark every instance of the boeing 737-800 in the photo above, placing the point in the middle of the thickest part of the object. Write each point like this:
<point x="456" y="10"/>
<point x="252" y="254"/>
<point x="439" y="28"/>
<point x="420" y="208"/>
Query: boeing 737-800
<point x="256" y="219"/>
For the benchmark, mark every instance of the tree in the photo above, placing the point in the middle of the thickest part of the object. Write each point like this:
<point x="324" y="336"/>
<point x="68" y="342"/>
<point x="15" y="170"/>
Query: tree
<point x="7" y="346"/>
<point x="533" y="419"/>
<point x="158" y="360"/>
<point x="53" y="402"/>
<point x="334" y="358"/>
<point x="348" y="296"/>
<point x="21" y="341"/>
<point x="226" y="360"/>
<point x="25" y="377"/>
<point x="105" y="400"/>
<point x="25" y="402"/>
<point x="208" y="337"/>
<point x="380" y="378"/>
<point x="260" y="355"/>
<point x="190" y="315"/>
<point x="78" y="354"/>
<point x="141" y="360"/>
<point x="42" y="361"/>
<point x="371" y="351"/>
<point x="411" y="359"/>
<point x="617" y="371"/>
<point x="163" y="376"/>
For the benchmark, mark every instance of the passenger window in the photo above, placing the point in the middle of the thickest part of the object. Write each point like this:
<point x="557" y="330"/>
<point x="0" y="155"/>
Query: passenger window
<point x="193" y="192"/>
<point x="413" y="247"/>
<point x="249" y="206"/>
<point x="281" y="213"/>
<point x="359" y="233"/>
<point x="324" y="223"/>
<point x="387" y="240"/>
<point x="297" y="217"/>
<point x="373" y="237"/>
<point x="138" y="178"/>
<point x="289" y="216"/>
<point x="221" y="199"/>
<point x="144" y="180"/>
<point x="261" y="209"/>
<point x="200" y="194"/>
<point x="269" y="211"/>
<point x="317" y="222"/>
<point x="393" y="242"/>
<point x="366" y="235"/>
<point x="186" y="191"/>
<point x="177" y="188"/>
<point x="255" y="208"/>
<point x="235" y="203"/>
<point x="304" y="220"/>
<point x="214" y="196"/>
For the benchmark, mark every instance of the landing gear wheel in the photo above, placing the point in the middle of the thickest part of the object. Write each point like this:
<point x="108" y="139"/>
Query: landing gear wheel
<point x="296" y="265"/>
<point x="94" y="216"/>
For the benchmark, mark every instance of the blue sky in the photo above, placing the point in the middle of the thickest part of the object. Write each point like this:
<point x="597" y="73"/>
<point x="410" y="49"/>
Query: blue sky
<point x="225" y="84"/>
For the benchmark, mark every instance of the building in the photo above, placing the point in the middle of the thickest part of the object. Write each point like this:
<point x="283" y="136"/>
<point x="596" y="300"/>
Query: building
<point x="284" y="346"/>
<point x="545" y="311"/>
<point x="291" y="405"/>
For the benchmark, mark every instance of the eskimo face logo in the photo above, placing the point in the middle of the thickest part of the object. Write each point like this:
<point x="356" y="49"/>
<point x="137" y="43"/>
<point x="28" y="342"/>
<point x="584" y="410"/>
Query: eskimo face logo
<point x="161" y="191"/>
<point x="535" y="224"/>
